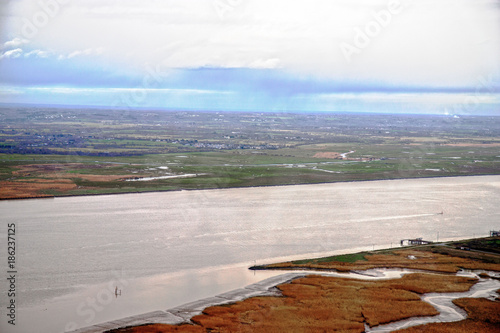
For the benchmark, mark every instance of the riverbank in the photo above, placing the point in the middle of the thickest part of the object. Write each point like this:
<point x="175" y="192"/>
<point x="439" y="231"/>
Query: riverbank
<point x="33" y="176"/>
<point x="356" y="305"/>
<point x="8" y="197"/>
<point x="450" y="257"/>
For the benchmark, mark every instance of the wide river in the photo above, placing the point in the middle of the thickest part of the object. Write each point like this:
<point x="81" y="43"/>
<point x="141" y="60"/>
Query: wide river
<point x="165" y="249"/>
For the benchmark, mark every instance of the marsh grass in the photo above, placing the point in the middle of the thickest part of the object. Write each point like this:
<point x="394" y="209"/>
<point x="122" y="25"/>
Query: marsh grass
<point x="320" y="304"/>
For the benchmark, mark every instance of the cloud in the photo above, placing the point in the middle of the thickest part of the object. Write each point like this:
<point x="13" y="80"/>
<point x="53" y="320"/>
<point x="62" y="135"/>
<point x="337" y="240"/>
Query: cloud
<point x="12" y="54"/>
<point x="279" y="48"/>
<point x="81" y="53"/>
<point x="267" y="63"/>
<point x="38" y="53"/>
<point x="299" y="36"/>
<point x="15" y="43"/>
<point x="10" y="91"/>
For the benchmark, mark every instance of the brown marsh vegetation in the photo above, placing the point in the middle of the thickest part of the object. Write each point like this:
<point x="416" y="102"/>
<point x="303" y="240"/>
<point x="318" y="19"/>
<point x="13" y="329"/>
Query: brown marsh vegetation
<point x="319" y="304"/>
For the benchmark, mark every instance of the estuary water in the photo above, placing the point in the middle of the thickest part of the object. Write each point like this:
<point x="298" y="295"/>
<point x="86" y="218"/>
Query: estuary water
<point x="165" y="249"/>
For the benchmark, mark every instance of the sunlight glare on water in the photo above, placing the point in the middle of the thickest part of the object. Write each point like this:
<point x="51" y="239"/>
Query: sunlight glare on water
<point x="174" y="247"/>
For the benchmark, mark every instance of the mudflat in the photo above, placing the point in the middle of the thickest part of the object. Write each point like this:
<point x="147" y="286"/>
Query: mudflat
<point x="320" y="303"/>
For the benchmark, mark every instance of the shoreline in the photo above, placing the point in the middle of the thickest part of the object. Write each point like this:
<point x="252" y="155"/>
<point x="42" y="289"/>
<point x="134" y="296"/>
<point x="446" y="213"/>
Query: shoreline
<point x="268" y="287"/>
<point x="183" y="314"/>
<point x="241" y="187"/>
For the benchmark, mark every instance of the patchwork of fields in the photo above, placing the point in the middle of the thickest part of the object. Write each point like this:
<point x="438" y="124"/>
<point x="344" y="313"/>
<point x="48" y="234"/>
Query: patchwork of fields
<point x="56" y="152"/>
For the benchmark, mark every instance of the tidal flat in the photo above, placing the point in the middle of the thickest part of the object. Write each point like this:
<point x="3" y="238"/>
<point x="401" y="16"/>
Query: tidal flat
<point x="463" y="297"/>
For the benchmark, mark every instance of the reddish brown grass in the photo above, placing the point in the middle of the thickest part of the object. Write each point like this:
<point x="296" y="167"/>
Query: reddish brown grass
<point x="320" y="304"/>
<point x="27" y="189"/>
<point x="41" y="177"/>
<point x="326" y="154"/>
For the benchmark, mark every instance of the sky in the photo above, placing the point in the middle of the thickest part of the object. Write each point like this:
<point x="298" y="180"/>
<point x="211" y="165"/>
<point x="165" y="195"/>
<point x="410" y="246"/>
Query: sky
<point x="398" y="56"/>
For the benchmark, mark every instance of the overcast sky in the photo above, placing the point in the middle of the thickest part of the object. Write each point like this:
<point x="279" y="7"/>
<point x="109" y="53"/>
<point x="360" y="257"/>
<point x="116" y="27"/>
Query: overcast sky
<point x="439" y="56"/>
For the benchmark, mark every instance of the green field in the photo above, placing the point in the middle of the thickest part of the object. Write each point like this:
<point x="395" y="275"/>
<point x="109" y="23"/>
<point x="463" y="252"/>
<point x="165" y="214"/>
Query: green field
<point x="218" y="150"/>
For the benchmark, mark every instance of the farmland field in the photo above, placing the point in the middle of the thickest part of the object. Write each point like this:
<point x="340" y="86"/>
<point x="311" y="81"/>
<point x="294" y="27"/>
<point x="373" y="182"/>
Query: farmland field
<point x="58" y="152"/>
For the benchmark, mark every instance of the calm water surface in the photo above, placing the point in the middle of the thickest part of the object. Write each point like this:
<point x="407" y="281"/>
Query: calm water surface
<point x="166" y="249"/>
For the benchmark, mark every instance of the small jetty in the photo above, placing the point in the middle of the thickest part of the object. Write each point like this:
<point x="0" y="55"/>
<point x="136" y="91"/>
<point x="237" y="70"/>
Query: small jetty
<point x="415" y="241"/>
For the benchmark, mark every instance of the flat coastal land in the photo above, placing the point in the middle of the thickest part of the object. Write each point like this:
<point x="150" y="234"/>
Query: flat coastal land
<point x="316" y="303"/>
<point x="53" y="152"/>
<point x="47" y="152"/>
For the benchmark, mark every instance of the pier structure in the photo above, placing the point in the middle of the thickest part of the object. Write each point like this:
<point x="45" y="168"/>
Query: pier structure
<point x="415" y="241"/>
